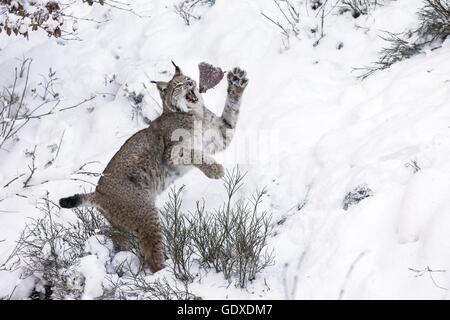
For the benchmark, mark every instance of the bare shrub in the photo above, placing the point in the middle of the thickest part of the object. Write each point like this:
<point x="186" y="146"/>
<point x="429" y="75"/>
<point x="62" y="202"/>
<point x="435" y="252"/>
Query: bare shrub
<point x="20" y="104"/>
<point x="414" y="165"/>
<point x="19" y="18"/>
<point x="398" y="49"/>
<point x="52" y="16"/>
<point x="291" y="15"/>
<point x="358" y="194"/>
<point x="231" y="239"/>
<point x="313" y="14"/>
<point x="434" y="19"/>
<point x="433" y="30"/>
<point x="431" y="273"/>
<point x="178" y="233"/>
<point x="49" y="251"/>
<point x="139" y="287"/>
<point x="359" y="7"/>
<point x="186" y="9"/>
<point x="46" y="253"/>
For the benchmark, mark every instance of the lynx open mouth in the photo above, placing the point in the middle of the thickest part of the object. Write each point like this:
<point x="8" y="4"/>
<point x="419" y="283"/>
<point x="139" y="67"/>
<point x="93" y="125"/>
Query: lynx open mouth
<point x="191" y="97"/>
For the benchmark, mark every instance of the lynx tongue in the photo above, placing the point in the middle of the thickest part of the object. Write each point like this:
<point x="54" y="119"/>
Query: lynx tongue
<point x="191" y="97"/>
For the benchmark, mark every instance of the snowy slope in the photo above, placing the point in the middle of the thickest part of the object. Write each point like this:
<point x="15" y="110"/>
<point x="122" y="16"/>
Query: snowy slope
<point x="308" y="131"/>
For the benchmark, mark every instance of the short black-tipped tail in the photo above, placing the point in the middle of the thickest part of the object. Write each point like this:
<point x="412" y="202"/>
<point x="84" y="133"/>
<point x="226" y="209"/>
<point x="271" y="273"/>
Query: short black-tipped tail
<point x="70" y="202"/>
<point x="80" y="200"/>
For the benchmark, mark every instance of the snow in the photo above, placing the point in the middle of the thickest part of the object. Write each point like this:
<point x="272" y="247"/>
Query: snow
<point x="126" y="262"/>
<point x="308" y="130"/>
<point x="94" y="273"/>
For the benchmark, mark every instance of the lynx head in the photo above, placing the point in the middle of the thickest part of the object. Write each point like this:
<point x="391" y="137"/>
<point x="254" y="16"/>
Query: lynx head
<point x="179" y="94"/>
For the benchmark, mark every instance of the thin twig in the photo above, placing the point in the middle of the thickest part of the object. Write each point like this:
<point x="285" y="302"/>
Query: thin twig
<point x="349" y="273"/>
<point x="11" y="181"/>
<point x="430" y="272"/>
<point x="79" y="104"/>
<point x="32" y="168"/>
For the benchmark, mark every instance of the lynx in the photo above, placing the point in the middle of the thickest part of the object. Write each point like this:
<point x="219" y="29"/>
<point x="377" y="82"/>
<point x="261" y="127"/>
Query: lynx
<point x="149" y="161"/>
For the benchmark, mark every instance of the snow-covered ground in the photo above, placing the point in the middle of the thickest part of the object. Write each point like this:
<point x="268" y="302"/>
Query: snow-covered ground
<point x="309" y="131"/>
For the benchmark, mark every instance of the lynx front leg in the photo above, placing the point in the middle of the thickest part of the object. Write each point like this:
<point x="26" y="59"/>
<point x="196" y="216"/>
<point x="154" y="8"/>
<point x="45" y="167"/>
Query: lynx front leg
<point x="211" y="168"/>
<point x="237" y="82"/>
<point x="178" y="155"/>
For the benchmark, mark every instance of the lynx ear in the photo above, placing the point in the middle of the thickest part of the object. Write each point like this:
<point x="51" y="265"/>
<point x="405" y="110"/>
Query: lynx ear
<point x="161" y="86"/>
<point x="177" y="69"/>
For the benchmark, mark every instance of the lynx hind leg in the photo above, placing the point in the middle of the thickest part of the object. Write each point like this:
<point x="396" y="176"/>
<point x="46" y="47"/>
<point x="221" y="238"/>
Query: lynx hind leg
<point x="121" y="238"/>
<point x="118" y="235"/>
<point x="143" y="220"/>
<point x="151" y="242"/>
<point x="237" y="81"/>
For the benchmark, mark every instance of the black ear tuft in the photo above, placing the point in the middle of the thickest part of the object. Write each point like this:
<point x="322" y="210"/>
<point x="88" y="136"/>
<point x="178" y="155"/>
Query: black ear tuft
<point x="177" y="69"/>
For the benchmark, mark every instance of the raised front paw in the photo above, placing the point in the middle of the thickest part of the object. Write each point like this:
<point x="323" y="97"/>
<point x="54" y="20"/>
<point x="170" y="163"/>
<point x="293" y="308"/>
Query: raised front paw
<point x="237" y="81"/>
